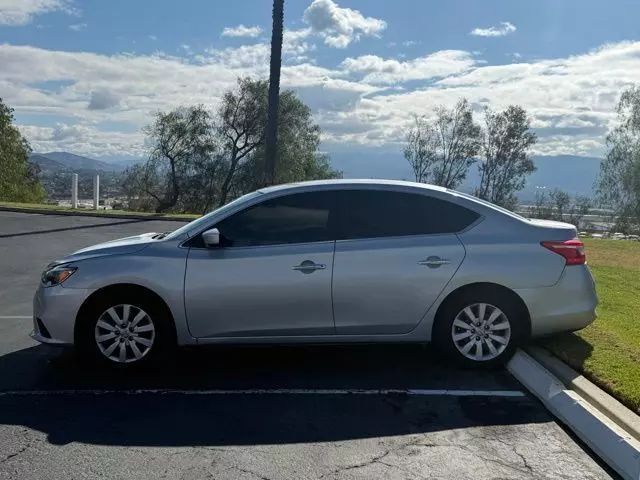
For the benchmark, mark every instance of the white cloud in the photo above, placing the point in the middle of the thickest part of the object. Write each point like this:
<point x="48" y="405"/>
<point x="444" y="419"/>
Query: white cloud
<point x="102" y="100"/>
<point x="366" y="101"/>
<point x="505" y="28"/>
<point x="295" y="46"/>
<point x="340" y="26"/>
<point x="76" y="27"/>
<point x="87" y="90"/>
<point x="571" y="100"/>
<point x="153" y="38"/>
<point x="378" y="70"/>
<point x="84" y="139"/>
<point x="21" y="12"/>
<point x="242" y="31"/>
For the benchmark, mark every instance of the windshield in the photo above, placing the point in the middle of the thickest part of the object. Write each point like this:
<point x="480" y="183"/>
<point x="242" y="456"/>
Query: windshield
<point x="202" y="221"/>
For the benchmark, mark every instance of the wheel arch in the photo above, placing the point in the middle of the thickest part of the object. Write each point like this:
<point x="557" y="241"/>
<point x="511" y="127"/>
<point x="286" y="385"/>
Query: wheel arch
<point x="115" y="290"/>
<point x="493" y="288"/>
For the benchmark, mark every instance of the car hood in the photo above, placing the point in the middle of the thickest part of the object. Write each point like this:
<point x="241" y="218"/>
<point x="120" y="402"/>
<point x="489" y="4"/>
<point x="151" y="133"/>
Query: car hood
<point x="121" y="246"/>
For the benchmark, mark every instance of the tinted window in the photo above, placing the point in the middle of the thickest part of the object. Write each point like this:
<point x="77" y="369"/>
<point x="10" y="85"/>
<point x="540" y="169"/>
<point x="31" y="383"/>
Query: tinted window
<point x="369" y="213"/>
<point x="297" y="218"/>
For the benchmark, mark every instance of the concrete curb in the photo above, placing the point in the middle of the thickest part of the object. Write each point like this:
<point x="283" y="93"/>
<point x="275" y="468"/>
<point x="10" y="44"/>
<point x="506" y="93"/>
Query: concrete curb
<point x="618" y="448"/>
<point x="89" y="213"/>
<point x="612" y="408"/>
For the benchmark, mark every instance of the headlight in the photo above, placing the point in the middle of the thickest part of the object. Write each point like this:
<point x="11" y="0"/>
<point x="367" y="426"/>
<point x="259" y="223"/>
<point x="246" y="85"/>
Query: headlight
<point x="57" y="275"/>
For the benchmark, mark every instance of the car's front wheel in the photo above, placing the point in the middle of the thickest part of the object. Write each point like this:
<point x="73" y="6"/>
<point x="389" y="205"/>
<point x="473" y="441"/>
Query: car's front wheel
<point x="479" y="329"/>
<point x="124" y="332"/>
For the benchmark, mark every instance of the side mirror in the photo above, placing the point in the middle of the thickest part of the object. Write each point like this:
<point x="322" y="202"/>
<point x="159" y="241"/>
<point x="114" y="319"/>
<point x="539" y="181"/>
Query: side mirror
<point x="211" y="237"/>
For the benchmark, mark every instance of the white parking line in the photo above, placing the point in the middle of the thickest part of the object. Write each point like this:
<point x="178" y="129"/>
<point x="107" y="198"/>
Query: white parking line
<point x="278" y="391"/>
<point x="10" y="317"/>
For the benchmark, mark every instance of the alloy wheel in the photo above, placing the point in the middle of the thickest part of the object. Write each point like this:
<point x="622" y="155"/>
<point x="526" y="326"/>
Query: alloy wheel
<point x="124" y="333"/>
<point x="481" y="332"/>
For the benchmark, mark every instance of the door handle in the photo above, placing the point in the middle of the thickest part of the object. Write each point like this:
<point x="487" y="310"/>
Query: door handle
<point x="308" y="266"/>
<point x="434" y="262"/>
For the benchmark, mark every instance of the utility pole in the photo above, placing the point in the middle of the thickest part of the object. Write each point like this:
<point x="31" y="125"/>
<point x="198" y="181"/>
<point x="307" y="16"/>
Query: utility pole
<point x="271" y="134"/>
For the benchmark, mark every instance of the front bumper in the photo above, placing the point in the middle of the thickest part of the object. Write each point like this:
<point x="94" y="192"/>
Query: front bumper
<point x="568" y="305"/>
<point x="54" y="313"/>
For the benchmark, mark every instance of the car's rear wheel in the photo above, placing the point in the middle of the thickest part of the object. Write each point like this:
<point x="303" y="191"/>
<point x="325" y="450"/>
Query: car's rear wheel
<point x="125" y="332"/>
<point x="479" y="328"/>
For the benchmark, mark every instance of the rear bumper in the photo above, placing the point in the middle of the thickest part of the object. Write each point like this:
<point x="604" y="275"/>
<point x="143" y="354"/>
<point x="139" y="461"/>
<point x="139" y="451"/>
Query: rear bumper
<point x="54" y="314"/>
<point x="568" y="305"/>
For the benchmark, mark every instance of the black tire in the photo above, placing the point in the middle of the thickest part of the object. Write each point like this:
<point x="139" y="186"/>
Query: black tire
<point x="163" y="344"/>
<point x="444" y="327"/>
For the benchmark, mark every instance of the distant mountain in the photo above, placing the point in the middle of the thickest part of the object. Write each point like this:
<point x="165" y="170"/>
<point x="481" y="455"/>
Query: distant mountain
<point x="573" y="174"/>
<point x="45" y="163"/>
<point x="68" y="161"/>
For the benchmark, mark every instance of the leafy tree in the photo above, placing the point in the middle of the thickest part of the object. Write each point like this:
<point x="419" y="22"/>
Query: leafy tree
<point x="18" y="177"/>
<point x="182" y="145"/>
<point x="200" y="159"/>
<point x="618" y="185"/>
<point x="505" y="160"/>
<point x="298" y="157"/>
<point x="441" y="150"/>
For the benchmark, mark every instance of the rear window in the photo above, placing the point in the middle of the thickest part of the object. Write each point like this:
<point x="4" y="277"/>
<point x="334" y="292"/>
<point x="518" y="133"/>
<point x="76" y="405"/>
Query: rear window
<point x="491" y="205"/>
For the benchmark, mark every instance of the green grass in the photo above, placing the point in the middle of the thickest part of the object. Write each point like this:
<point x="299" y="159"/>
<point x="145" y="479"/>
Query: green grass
<point x="87" y="211"/>
<point x="608" y="351"/>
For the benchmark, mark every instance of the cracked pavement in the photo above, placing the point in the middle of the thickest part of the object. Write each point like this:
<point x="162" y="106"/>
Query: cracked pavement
<point x="261" y="436"/>
<point x="279" y="437"/>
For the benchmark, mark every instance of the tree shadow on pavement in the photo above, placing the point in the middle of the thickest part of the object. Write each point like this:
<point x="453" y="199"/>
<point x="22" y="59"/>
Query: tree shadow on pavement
<point x="75" y="227"/>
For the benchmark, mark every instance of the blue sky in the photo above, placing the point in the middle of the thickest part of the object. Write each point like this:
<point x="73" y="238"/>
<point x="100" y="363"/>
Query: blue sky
<point x="85" y="76"/>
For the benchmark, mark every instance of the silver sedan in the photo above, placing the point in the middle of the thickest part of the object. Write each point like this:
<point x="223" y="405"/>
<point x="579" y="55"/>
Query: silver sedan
<point x="324" y="262"/>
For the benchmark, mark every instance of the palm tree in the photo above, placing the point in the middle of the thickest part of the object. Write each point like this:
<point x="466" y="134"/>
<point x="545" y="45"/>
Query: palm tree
<point x="271" y="134"/>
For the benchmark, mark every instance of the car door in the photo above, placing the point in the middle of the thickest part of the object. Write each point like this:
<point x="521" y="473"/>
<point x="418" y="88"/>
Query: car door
<point x="271" y="275"/>
<point x="397" y="253"/>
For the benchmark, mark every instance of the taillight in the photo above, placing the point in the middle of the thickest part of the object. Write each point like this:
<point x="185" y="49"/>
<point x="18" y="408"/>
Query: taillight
<point x="571" y="250"/>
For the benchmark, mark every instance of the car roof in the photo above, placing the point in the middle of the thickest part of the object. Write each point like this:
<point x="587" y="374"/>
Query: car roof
<point x="465" y="199"/>
<point x="353" y="182"/>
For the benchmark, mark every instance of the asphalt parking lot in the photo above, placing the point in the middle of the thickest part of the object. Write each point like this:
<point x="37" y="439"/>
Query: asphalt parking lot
<point x="252" y="413"/>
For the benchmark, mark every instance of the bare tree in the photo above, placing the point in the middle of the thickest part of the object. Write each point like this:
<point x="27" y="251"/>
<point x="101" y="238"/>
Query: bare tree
<point x="505" y="160"/>
<point x="274" y="92"/>
<point x="579" y="209"/>
<point x="542" y="207"/>
<point x="420" y="149"/>
<point x="559" y="205"/>
<point x="242" y="120"/>
<point x="441" y="150"/>
<point x="560" y="202"/>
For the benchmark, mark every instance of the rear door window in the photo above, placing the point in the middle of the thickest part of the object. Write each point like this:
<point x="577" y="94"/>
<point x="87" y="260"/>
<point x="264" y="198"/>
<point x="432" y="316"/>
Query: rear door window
<point x="375" y="213"/>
